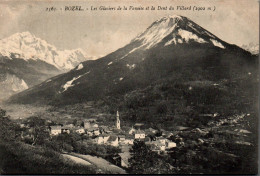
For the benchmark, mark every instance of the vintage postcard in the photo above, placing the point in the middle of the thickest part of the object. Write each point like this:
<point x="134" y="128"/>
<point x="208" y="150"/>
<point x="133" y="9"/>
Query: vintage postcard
<point x="129" y="87"/>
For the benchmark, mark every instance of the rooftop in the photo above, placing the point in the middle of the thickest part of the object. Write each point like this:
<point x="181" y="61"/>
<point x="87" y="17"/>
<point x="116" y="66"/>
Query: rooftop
<point x="160" y="137"/>
<point x="139" y="132"/>
<point x="92" y="129"/>
<point x="112" y="138"/>
<point x="90" y="120"/>
<point x="55" y="127"/>
<point x="129" y="136"/>
<point x="103" y="135"/>
<point x="139" y="124"/>
<point x="78" y="128"/>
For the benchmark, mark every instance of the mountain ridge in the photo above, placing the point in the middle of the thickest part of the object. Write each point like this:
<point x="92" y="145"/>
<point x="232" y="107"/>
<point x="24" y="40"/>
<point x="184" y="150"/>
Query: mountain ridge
<point x="28" y="47"/>
<point x="171" y="47"/>
<point x="252" y="48"/>
<point x="26" y="60"/>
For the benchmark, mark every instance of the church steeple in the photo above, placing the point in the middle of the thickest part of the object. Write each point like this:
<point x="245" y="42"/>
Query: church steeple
<point x="117" y="120"/>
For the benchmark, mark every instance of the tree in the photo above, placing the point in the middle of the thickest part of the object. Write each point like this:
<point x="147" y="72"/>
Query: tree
<point x="75" y="122"/>
<point x="162" y="108"/>
<point x="138" y="160"/>
<point x="145" y="161"/>
<point x="8" y="128"/>
<point x="160" y="167"/>
<point x="39" y="129"/>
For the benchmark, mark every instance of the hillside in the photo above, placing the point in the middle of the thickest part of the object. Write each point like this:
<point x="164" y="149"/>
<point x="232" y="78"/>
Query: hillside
<point x="17" y="74"/>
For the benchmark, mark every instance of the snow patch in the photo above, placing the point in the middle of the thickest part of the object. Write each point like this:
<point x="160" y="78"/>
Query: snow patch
<point x="158" y="31"/>
<point x="192" y="27"/>
<point x="132" y="66"/>
<point x="210" y="35"/>
<point x="180" y="41"/>
<point x="243" y="131"/>
<point x="243" y="143"/>
<point x="24" y="85"/>
<point x="80" y="66"/>
<point x="216" y="43"/>
<point x="187" y="36"/>
<point x="251" y="47"/>
<point x="170" y="42"/>
<point x="131" y="52"/>
<point x="69" y="84"/>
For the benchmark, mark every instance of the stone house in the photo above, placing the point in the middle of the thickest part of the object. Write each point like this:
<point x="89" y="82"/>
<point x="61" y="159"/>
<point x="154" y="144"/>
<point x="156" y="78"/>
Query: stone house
<point x="159" y="145"/>
<point x="80" y="130"/>
<point x="139" y="134"/>
<point x="93" y="131"/>
<point x="121" y="138"/>
<point x="131" y="131"/>
<point x="102" y="139"/>
<point x="113" y="140"/>
<point x="170" y="144"/>
<point x="162" y="140"/>
<point x="87" y="124"/>
<point x="55" y="130"/>
<point x="67" y="128"/>
<point x="129" y="139"/>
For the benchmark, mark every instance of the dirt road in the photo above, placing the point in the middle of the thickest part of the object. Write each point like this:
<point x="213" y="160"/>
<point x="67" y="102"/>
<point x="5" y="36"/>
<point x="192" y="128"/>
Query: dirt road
<point x="101" y="163"/>
<point x="77" y="159"/>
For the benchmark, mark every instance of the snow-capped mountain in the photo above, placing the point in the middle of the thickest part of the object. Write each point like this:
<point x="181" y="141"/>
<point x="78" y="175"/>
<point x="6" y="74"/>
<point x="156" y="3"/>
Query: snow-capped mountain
<point x="251" y="47"/>
<point x="28" y="47"/>
<point x="172" y="48"/>
<point x="179" y="30"/>
<point x="26" y="60"/>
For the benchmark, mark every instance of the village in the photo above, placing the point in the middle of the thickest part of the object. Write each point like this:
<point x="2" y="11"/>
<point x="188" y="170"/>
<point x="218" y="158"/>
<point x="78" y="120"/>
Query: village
<point x="114" y="135"/>
<point x="101" y="139"/>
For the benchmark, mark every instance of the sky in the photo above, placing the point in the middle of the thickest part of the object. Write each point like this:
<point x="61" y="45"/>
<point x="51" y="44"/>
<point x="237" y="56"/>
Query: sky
<point x="100" y="32"/>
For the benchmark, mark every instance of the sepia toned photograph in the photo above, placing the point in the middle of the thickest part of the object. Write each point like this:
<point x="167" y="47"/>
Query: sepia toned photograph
<point x="129" y="87"/>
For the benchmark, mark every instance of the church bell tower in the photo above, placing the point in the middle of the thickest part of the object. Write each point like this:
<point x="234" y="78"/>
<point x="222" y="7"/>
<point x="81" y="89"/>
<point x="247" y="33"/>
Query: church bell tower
<point x="117" y="120"/>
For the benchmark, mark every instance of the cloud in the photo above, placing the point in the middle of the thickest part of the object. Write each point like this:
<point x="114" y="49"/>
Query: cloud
<point x="100" y="33"/>
<point x="9" y="16"/>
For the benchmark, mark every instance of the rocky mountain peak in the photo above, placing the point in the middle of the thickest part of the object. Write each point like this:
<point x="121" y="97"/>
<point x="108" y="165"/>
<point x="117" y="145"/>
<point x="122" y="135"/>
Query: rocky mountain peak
<point x="178" y="30"/>
<point x="27" y="46"/>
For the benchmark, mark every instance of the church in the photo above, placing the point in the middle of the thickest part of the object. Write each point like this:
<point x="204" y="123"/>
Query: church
<point x="117" y="121"/>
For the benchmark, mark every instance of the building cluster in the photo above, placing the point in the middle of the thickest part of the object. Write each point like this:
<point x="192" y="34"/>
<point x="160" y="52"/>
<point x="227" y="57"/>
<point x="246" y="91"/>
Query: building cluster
<point x="90" y="128"/>
<point x="115" y="136"/>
